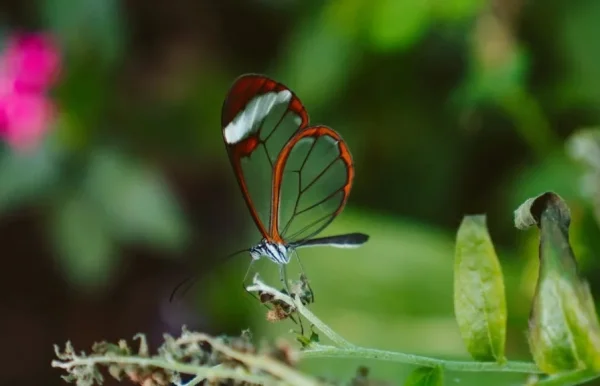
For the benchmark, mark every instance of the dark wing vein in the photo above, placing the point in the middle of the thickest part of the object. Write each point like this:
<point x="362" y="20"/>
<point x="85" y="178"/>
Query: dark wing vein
<point x="299" y="232"/>
<point x="302" y="190"/>
<point x="320" y="202"/>
<point x="320" y="175"/>
<point x="299" y="171"/>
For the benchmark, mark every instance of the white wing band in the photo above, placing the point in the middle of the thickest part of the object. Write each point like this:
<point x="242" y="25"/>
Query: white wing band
<point x="258" y="108"/>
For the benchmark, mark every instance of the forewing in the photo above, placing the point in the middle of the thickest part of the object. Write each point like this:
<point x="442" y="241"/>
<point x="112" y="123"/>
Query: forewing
<point x="258" y="118"/>
<point x="313" y="178"/>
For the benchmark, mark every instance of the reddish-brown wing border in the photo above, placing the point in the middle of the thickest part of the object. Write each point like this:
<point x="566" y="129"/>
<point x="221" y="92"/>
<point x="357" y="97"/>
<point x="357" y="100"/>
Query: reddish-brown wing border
<point x="243" y="90"/>
<point x="278" y="170"/>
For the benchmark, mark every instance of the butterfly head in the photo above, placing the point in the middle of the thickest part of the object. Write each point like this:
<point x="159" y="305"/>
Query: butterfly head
<point x="278" y="253"/>
<point x="256" y="252"/>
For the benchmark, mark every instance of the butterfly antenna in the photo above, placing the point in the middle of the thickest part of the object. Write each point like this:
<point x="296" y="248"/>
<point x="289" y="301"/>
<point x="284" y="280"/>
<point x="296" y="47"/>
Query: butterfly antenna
<point x="178" y="286"/>
<point x="236" y="253"/>
<point x="190" y="281"/>
<point x="257" y="297"/>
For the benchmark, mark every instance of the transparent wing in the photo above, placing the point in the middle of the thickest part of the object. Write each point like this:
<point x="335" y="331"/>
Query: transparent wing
<point x="259" y="118"/>
<point x="312" y="182"/>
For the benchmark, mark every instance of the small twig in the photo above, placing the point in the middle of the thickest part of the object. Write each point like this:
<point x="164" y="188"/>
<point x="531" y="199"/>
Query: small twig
<point x="297" y="304"/>
<point x="345" y="349"/>
<point x="202" y="372"/>
<point x="256" y="369"/>
<point x="261" y="362"/>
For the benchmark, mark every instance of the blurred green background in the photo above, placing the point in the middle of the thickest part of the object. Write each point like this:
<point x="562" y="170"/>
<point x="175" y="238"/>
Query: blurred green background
<point x="449" y="107"/>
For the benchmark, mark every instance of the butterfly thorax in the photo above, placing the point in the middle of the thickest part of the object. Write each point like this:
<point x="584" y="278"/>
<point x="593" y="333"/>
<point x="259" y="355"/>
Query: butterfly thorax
<point x="277" y="253"/>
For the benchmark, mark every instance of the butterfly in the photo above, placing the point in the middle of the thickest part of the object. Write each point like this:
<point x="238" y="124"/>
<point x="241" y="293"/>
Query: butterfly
<point x="295" y="178"/>
<point x="306" y="170"/>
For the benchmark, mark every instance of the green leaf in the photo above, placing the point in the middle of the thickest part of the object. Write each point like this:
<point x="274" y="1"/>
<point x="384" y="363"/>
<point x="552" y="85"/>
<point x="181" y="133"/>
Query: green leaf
<point x="307" y="341"/>
<point x="564" y="333"/>
<point x="87" y="25"/>
<point x="314" y="337"/>
<point x="303" y="340"/>
<point x="479" y="299"/>
<point x="570" y="378"/>
<point x="425" y="376"/>
<point x="136" y="203"/>
<point x="398" y="24"/>
<point x="84" y="244"/>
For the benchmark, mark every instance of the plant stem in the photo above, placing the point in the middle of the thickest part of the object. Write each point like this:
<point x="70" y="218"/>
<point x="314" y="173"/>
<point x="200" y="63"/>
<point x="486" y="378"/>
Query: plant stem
<point x="321" y="351"/>
<point x="324" y="328"/>
<point x="202" y="372"/>
<point x="568" y="379"/>
<point x="345" y="349"/>
<point x="318" y="323"/>
<point x="273" y="371"/>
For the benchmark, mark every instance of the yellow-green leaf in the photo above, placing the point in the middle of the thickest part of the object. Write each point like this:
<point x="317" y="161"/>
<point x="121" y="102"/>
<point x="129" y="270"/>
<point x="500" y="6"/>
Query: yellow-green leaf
<point x="425" y="376"/>
<point x="564" y="333"/>
<point x="479" y="299"/>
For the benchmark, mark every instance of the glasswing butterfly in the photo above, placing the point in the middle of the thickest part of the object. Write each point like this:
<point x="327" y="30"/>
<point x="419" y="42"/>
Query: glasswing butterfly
<point x="295" y="178"/>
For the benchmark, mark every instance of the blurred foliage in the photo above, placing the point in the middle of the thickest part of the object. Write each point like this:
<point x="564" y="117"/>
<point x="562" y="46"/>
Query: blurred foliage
<point x="87" y="27"/>
<point x="449" y="107"/>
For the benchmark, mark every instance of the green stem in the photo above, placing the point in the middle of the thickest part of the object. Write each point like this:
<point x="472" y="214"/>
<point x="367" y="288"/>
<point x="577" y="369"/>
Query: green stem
<point x="320" y="351"/>
<point x="345" y="349"/>
<point x="569" y="379"/>
<point x="325" y="329"/>
<point x="318" y="323"/>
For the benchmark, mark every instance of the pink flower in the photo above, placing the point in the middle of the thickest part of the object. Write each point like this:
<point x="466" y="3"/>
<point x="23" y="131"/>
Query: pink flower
<point x="28" y="67"/>
<point x="26" y="117"/>
<point x="32" y="60"/>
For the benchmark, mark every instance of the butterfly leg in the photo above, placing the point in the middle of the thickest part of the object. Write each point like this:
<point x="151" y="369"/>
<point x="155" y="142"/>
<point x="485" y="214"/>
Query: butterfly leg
<point x="246" y="288"/>
<point x="304" y="278"/>
<point x="256" y="296"/>
<point x="284" y="279"/>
